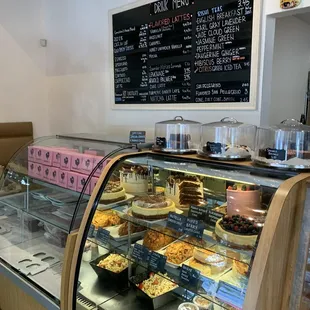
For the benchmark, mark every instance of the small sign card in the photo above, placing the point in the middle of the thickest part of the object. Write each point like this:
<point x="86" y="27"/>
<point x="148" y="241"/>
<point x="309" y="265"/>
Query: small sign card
<point x="210" y="286"/>
<point x="275" y="154"/>
<point x="157" y="262"/>
<point x="214" y="148"/>
<point x="103" y="236"/>
<point x="231" y="294"/>
<point x="199" y="213"/>
<point x="176" y="221"/>
<point x="140" y="253"/>
<point x="189" y="277"/>
<point x="213" y="217"/>
<point x="91" y="231"/>
<point x="137" y="137"/>
<point x="194" y="227"/>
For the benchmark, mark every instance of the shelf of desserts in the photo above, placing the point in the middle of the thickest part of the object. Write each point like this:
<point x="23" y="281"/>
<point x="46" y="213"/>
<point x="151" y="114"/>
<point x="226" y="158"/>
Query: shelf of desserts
<point x="178" y="252"/>
<point x="203" y="271"/>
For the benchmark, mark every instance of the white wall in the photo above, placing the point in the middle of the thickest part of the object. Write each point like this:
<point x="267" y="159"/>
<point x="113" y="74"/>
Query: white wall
<point x="22" y="64"/>
<point x="291" y="63"/>
<point x="78" y="70"/>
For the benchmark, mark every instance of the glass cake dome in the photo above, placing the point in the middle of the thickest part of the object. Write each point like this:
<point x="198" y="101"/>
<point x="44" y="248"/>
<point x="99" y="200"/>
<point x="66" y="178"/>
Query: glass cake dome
<point x="286" y="145"/>
<point x="177" y="136"/>
<point x="227" y="139"/>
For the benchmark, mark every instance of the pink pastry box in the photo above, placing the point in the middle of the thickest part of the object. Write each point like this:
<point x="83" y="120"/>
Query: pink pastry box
<point x="82" y="163"/>
<point x="46" y="173"/>
<point x="63" y="178"/>
<point x="32" y="169"/>
<point x="93" y="184"/>
<point x="98" y="171"/>
<point x="53" y="177"/>
<point x="72" y="181"/>
<point x="81" y="181"/>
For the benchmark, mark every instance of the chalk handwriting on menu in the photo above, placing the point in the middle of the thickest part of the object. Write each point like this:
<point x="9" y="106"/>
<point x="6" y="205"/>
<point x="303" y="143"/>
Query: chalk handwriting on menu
<point x="163" y="6"/>
<point x="183" y="51"/>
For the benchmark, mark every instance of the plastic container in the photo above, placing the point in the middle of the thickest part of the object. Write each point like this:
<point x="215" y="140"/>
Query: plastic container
<point x="227" y="139"/>
<point x="177" y="136"/>
<point x="118" y="281"/>
<point x="286" y="145"/>
<point x="150" y="303"/>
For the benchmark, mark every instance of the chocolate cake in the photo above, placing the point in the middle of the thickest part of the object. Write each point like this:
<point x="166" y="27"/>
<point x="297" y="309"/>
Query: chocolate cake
<point x="185" y="190"/>
<point x="180" y="141"/>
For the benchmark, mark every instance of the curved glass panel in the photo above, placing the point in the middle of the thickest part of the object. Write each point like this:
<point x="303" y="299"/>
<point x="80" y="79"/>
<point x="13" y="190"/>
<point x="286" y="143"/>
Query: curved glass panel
<point x="165" y="231"/>
<point x="44" y="192"/>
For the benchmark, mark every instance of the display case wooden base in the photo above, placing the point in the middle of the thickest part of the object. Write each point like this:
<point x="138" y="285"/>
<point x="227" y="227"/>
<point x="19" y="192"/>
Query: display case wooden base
<point x="13" y="297"/>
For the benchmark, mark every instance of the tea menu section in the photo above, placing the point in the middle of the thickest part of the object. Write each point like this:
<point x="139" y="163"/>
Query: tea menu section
<point x="174" y="51"/>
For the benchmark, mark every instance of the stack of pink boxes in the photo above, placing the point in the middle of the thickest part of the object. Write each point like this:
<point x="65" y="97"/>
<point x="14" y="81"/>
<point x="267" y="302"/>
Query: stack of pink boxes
<point x="64" y="167"/>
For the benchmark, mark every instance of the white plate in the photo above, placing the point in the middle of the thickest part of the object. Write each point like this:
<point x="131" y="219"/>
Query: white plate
<point x="126" y="211"/>
<point x="102" y="207"/>
<point x="115" y="235"/>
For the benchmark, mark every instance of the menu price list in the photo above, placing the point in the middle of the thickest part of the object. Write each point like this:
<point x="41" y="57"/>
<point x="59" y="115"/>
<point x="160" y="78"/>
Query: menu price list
<point x="173" y="54"/>
<point x="223" y="42"/>
<point x="171" y="36"/>
<point x="223" y="92"/>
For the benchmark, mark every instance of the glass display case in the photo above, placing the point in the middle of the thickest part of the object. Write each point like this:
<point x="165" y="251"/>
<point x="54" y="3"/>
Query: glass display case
<point x="44" y="192"/>
<point x="200" y="236"/>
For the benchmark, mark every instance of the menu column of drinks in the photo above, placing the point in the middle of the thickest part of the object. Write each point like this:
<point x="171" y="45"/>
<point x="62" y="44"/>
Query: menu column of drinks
<point x="183" y="51"/>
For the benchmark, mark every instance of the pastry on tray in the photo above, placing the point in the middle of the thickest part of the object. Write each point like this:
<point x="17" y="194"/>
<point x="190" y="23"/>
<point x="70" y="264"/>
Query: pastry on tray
<point x="240" y="269"/>
<point x="123" y="229"/>
<point x="208" y="262"/>
<point x="237" y="232"/>
<point x="113" y="192"/>
<point x="178" y="252"/>
<point x="156" y="239"/>
<point x="106" y="219"/>
<point x="152" y="207"/>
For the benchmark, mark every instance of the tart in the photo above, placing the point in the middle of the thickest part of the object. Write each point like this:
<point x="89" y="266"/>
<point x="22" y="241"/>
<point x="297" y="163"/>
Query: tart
<point x="106" y="219"/>
<point x="237" y="232"/>
<point x="240" y="269"/>
<point x="113" y="192"/>
<point x="152" y="207"/>
<point x="208" y="262"/>
<point x="154" y="240"/>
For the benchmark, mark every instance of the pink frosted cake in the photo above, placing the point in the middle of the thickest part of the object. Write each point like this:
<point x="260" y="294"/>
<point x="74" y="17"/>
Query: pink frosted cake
<point x="244" y="200"/>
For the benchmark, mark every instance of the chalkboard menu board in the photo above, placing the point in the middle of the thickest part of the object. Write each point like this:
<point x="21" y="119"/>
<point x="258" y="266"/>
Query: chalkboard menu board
<point x="183" y="51"/>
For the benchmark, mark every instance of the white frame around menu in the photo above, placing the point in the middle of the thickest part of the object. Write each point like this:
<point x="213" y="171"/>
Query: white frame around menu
<point x="254" y="75"/>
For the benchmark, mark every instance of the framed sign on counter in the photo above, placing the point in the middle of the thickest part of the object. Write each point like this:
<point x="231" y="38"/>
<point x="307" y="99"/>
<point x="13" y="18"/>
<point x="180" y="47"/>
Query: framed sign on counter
<point x="185" y="54"/>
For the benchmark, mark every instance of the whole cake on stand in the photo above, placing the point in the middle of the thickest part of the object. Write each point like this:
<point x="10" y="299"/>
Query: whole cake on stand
<point x="134" y="179"/>
<point x="244" y="200"/>
<point x="152" y="207"/>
